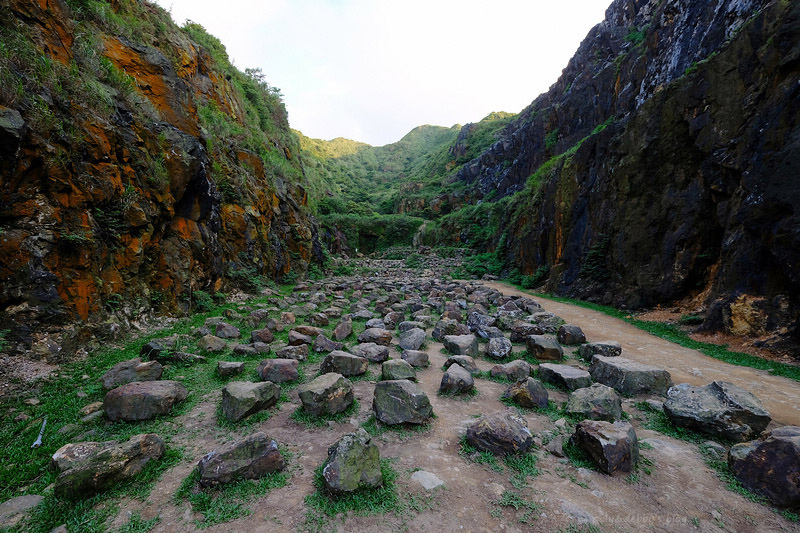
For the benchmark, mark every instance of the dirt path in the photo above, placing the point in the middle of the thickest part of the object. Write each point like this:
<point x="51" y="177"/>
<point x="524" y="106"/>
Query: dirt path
<point x="780" y="396"/>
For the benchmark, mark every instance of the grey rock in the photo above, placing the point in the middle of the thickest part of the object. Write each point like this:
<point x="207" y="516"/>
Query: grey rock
<point x="353" y="463"/>
<point x="527" y="392"/>
<point x="211" y="343"/>
<point x="374" y="353"/>
<point x="412" y="339"/>
<point x="401" y="402"/>
<point x="143" y="400"/>
<point x="461" y="344"/>
<point x="629" y="377"/>
<point x="566" y="376"/>
<point x="502" y="433"/>
<point x="411" y="324"/>
<point x="13" y="511"/>
<point x="327" y="394"/>
<point x="512" y="371"/>
<point x="376" y="335"/>
<point x="226" y="331"/>
<point x="278" y="370"/>
<point x="605" y="348"/>
<point x="131" y="370"/>
<point x="466" y="362"/>
<point x="241" y="399"/>
<point x="323" y="344"/>
<point x="498" y="348"/>
<point x="375" y="323"/>
<point x="428" y="480"/>
<point x="598" y="402"/>
<point x="397" y="369"/>
<point x="520" y="331"/>
<point x="612" y="446"/>
<point x="570" y="334"/>
<point x="343" y="330"/>
<point x="226" y="369"/>
<point x="477" y="321"/>
<point x="250" y="458"/>
<point x="456" y="380"/>
<point x="344" y="363"/>
<point x="544" y="348"/>
<point x="448" y="327"/>
<point x="298" y="353"/>
<point x="416" y="358"/>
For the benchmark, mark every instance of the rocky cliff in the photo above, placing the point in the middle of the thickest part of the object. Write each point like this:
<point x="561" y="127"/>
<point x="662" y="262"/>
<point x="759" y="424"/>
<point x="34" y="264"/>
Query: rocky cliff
<point x="137" y="167"/>
<point x="664" y="164"/>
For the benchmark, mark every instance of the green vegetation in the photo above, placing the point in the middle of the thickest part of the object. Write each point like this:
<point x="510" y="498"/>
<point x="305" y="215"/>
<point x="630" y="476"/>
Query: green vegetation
<point x="373" y="233"/>
<point x="303" y="417"/>
<point x="515" y="501"/>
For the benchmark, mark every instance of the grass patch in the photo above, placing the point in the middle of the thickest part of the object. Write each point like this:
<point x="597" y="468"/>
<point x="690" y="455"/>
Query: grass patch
<point x="137" y="524"/>
<point x="514" y="500"/>
<point x="463" y="396"/>
<point x="577" y="457"/>
<point x="657" y="420"/>
<point x="524" y="466"/>
<point x="376" y="428"/>
<point x="469" y="452"/>
<point x="228" y="502"/>
<point x="304" y="418"/>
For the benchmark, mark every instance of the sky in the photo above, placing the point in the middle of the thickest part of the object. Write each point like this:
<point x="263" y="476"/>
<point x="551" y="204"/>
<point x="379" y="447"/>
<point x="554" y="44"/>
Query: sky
<point x="372" y="70"/>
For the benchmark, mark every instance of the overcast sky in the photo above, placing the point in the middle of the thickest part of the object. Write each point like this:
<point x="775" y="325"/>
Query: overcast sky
<point x="371" y="70"/>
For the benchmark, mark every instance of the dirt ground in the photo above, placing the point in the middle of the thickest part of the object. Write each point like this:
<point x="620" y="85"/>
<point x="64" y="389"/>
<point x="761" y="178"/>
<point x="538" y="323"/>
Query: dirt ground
<point x="681" y="493"/>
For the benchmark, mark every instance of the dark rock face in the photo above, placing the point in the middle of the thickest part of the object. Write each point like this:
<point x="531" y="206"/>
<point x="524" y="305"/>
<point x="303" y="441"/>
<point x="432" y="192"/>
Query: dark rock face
<point x="570" y="334"/>
<point x="379" y="336"/>
<point x="412" y="339"/>
<point x="400" y="402"/>
<point x="498" y="348"/>
<point x="613" y="447"/>
<point x="416" y="358"/>
<point x="719" y="409"/>
<point x="352" y="463"/>
<point x="527" y="392"/>
<point x="515" y="370"/>
<point x="464" y="361"/>
<point x="501" y="434"/>
<point x="328" y="394"/>
<point x="102" y="470"/>
<point x="241" y="399"/>
<point x="544" y="348"/>
<point x="398" y="369"/>
<point x="344" y="363"/>
<point x="565" y="376"/>
<point x="456" y="380"/>
<point x="278" y="370"/>
<point x="375" y="353"/>
<point x="770" y="466"/>
<point x="143" y="400"/>
<point x="604" y="348"/>
<point x="251" y="458"/>
<point x="448" y="327"/>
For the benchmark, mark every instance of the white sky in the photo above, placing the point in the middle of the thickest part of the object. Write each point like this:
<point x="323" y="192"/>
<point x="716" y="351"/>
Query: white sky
<point x="371" y="70"/>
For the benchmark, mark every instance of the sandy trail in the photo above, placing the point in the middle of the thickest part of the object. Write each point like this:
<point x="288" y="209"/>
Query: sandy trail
<point x="780" y="396"/>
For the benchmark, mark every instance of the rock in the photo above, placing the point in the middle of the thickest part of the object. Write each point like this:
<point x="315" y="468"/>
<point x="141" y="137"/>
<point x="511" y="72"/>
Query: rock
<point x="416" y="358"/>
<point x="75" y="453"/>
<point x="547" y="321"/>
<point x="502" y="433"/>
<point x="490" y="333"/>
<point x="13" y="511"/>
<point x="527" y="392"/>
<point x="461" y="344"/>
<point x="427" y="480"/>
<point x="319" y="319"/>
<point x="719" y="409"/>
<point x="296" y="338"/>
<point x="544" y="348"/>
<point x="152" y="350"/>
<point x="714" y="449"/>
<point x="143" y="400"/>
<point x="211" y="343"/>
<point x="278" y="370"/>
<point x="477" y="321"/>
<point x="241" y="399"/>
<point x="570" y="334"/>
<point x="344" y="363"/>
<point x="629" y="377"/>
<point x="91" y="408"/>
<point x="405" y="326"/>
<point x="375" y="323"/>
<point x="226" y="369"/>
<point x="226" y="331"/>
<point x="343" y="330"/>
<point x="376" y="335"/>
<point x="353" y="463"/>
<point x="598" y="402"/>
<point x="522" y="330"/>
<point x="323" y="344"/>
<point x="466" y="362"/>
<point x="566" y="376"/>
<point x="251" y="458"/>
<point x="770" y="466"/>
<point x="456" y="380"/>
<point x="605" y="348"/>
<point x="498" y="348"/>
<point x="412" y="339"/>
<point x="612" y="446"/>
<point x="448" y="327"/>
<point x="131" y="370"/>
<point x="108" y="467"/>
<point x="327" y="394"/>
<point x="397" y="369"/>
<point x="309" y="331"/>
<point x="392" y="319"/>
<point x="401" y="402"/>
<point x="262" y="335"/>
<point x="512" y="371"/>
<point x="298" y="353"/>
<point x="556" y="446"/>
<point x="372" y="352"/>
<point x="362" y="314"/>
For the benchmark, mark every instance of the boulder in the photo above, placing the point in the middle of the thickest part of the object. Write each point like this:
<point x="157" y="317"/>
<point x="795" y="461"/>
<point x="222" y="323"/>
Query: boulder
<point x="605" y="348"/>
<point x="416" y="358"/>
<point x="520" y="331"/>
<point x="362" y="314"/>
<point x="412" y="339"/>
<point x="401" y="402"/>
<point x="296" y="338"/>
<point x="226" y="331"/>
<point x="299" y="352"/>
<point x="318" y="319"/>
<point x="278" y="370"/>
<point x="719" y="409"/>
<point x="374" y="353"/>
<point x="74" y="453"/>
<point x="392" y="319"/>
<point x="344" y="363"/>
<point x="448" y="327"/>
<point x="143" y="400"/>
<point x="108" y="467"/>
<point x="411" y="324"/>
<point x="547" y="321"/>
<point x="544" y="348"/>
<point x="477" y="321"/>
<point x="130" y="371"/>
<point x="353" y="463"/>
<point x="15" y="510"/>
<point x="241" y="399"/>
<point x="502" y="433"/>
<point x="570" y="334"/>
<point x="629" y="377"/>
<point x="323" y="344"/>
<point x="512" y="371"/>
<point x="461" y="344"/>
<point x="466" y="362"/>
<point x="566" y="376"/>
<point x="211" y="343"/>
<point x="376" y="335"/>
<point x="397" y="369"/>
<point x="226" y="369"/>
<point x="375" y="323"/>
<point x="612" y="446"/>
<point x="251" y="458"/>
<point x="498" y="348"/>
<point x="343" y="330"/>
<point x="770" y="466"/>
<point x="598" y="402"/>
<point x="309" y="331"/>
<point x="456" y="380"/>
<point x="327" y="394"/>
<point x="527" y="392"/>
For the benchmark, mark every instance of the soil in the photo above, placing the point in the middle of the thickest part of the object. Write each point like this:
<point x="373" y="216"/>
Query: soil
<point x="680" y="492"/>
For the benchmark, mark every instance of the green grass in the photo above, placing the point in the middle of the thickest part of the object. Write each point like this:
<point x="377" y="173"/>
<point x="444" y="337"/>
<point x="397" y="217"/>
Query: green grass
<point x="524" y="466"/>
<point x="304" y="418"/>
<point x="657" y="420"/>
<point x="463" y="396"/>
<point x="673" y="333"/>
<point x="469" y="452"/>
<point x="137" y="524"/>
<point x="227" y="502"/>
<point x="514" y="500"/>
<point x="377" y="428"/>
<point x="577" y="457"/>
